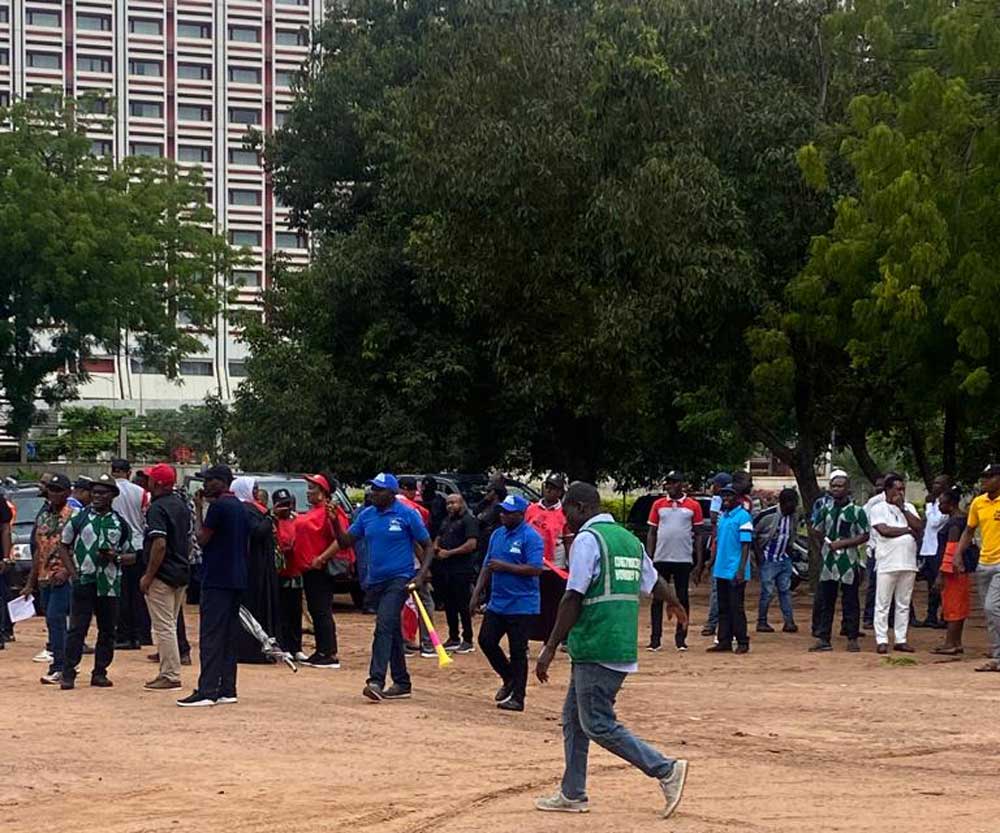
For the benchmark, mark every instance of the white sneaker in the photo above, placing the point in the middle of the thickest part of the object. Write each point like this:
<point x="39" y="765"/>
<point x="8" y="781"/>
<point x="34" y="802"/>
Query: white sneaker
<point x="558" y="803"/>
<point x="301" y="656"/>
<point x="42" y="656"/>
<point x="52" y="679"/>
<point x="673" y="787"/>
<point x="227" y="701"/>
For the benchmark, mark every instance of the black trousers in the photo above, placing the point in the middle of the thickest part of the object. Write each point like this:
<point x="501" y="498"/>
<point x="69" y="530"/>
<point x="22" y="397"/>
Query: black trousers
<point x="732" y="612"/>
<point x="290" y="607"/>
<point x="87" y="605"/>
<point x="680" y="575"/>
<point x="133" y="616"/>
<point x="455" y="592"/>
<point x="319" y="600"/>
<point x="220" y="625"/>
<point x="513" y="671"/>
<point x="850" y="612"/>
<point x="182" y="639"/>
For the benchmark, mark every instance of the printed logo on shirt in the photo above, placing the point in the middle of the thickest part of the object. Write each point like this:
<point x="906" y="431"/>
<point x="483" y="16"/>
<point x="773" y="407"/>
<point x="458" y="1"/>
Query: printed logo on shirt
<point x="515" y="548"/>
<point x="395" y="525"/>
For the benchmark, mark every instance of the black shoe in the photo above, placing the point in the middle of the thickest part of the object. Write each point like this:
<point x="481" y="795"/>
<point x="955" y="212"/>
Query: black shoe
<point x="719" y="649"/>
<point x="67" y="683"/>
<point x="882" y="648"/>
<point x="853" y="647"/>
<point x="88" y="650"/>
<point x="511" y="705"/>
<point x="938" y="625"/>
<point x="320" y="661"/>
<point x="742" y="649"/>
<point x="504" y="693"/>
<point x="869" y="625"/>
<point x="185" y="659"/>
<point x="465" y="648"/>
<point x="410" y="650"/>
<point x="708" y="630"/>
<point x="101" y="681"/>
<point x="821" y="645"/>
<point x="397" y="692"/>
<point x="903" y="648"/>
<point x="195" y="700"/>
<point x="790" y="627"/>
<point x="919" y="623"/>
<point x="654" y="646"/>
<point x="763" y="627"/>
<point x="125" y="645"/>
<point x="452" y="644"/>
<point x="373" y="691"/>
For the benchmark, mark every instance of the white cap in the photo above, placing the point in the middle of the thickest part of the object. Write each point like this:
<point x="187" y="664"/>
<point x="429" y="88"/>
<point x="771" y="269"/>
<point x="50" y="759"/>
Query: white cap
<point x="839" y="473"/>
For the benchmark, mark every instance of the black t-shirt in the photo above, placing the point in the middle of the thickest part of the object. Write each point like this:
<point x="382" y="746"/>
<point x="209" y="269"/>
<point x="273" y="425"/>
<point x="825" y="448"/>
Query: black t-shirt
<point x="168" y="517"/>
<point x="454" y="533"/>
<point x="970" y="560"/>
<point x="438" y="510"/>
<point x="224" y="557"/>
<point x="5" y="514"/>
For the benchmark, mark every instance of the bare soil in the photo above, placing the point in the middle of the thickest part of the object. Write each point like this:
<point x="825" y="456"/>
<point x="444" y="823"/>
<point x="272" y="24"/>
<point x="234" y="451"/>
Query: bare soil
<point x="779" y="740"/>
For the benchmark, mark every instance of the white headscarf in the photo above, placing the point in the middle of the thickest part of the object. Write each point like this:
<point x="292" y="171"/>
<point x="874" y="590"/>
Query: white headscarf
<point x="243" y="489"/>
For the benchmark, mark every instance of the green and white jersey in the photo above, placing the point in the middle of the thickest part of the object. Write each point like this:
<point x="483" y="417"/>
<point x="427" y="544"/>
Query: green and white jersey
<point x="88" y="534"/>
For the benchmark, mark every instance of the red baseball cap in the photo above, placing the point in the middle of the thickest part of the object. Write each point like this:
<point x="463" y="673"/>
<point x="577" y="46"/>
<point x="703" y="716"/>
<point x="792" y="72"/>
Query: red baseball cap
<point x="163" y="474"/>
<point x="320" y="481"/>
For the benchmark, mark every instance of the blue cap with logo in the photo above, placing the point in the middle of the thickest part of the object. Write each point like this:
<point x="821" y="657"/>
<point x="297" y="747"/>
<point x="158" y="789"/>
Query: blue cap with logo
<point x="513" y="503"/>
<point x="383" y="480"/>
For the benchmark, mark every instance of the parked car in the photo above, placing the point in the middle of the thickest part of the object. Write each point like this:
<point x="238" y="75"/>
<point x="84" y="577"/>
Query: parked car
<point x="296" y="484"/>
<point x="26" y="502"/>
<point x="473" y="486"/>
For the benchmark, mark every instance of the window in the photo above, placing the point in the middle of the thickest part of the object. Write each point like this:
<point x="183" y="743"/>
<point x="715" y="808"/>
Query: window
<point x="284" y="77"/>
<point x="244" y="34"/>
<point x="93" y="22"/>
<point x="197" y="31"/>
<point x="4" y="14"/>
<point x="240" y="156"/>
<point x="146" y="109"/>
<point x="244" y="238"/>
<point x="194" y="112"/>
<point x="192" y="367"/>
<point x="290" y="240"/>
<point x="238" y="369"/>
<point x="93" y="105"/>
<point x="151" y="149"/>
<point x="52" y="20"/>
<point x="4" y="98"/>
<point x="244" y="75"/>
<point x="193" y="153"/>
<point x="4" y="58"/>
<point x="45" y="60"/>
<point x="145" y="26"/>
<point x="101" y="147"/>
<point x="139" y="366"/>
<point x="93" y="63"/>
<point x="150" y="68"/>
<point x="291" y="37"/>
<point x="244" y="115"/>
<point x="246" y="277"/>
<point x="293" y="2"/>
<point x="280" y="117"/>
<point x="197" y="72"/>
<point x="98" y="365"/>
<point x="243" y="196"/>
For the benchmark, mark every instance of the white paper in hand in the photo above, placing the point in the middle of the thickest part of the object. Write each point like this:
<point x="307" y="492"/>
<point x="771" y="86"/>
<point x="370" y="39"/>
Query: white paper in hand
<point x="21" y="608"/>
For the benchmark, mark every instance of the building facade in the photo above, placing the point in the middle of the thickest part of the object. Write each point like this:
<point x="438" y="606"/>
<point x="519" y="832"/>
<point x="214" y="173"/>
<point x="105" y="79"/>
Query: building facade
<point x="186" y="79"/>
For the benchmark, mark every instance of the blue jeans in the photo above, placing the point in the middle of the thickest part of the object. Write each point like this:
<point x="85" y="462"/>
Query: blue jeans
<point x="388" y="598"/>
<point x="56" y="600"/>
<point x="589" y="715"/>
<point x="713" y="605"/>
<point x="776" y="575"/>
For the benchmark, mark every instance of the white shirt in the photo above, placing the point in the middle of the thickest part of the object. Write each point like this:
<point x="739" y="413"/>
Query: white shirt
<point x="129" y="504"/>
<point x="934" y="521"/>
<point x="873" y="501"/>
<point x="894" y="553"/>
<point x="585" y="563"/>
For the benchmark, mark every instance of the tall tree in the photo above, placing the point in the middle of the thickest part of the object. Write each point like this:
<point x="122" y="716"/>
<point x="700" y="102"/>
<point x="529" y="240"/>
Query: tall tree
<point x="90" y="251"/>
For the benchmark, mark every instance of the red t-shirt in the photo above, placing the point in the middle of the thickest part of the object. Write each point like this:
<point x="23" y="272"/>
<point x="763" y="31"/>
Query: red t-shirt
<point x="550" y="523"/>
<point x="313" y="535"/>
<point x="422" y="511"/>
<point x="285" y="531"/>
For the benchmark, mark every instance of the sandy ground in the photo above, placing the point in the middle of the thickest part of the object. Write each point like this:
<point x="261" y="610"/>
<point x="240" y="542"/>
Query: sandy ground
<point x="780" y="740"/>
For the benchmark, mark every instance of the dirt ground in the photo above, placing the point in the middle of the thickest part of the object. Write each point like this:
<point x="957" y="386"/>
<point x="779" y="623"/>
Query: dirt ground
<point x="779" y="740"/>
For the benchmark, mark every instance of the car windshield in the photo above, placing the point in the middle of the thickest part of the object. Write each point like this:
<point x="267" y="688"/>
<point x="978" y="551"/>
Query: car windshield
<point x="27" y="507"/>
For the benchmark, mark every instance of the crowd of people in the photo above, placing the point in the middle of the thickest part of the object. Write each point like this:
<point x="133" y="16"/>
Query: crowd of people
<point x="121" y="551"/>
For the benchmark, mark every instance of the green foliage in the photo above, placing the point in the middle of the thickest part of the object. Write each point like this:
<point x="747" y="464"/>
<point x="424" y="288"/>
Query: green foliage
<point x="90" y="251"/>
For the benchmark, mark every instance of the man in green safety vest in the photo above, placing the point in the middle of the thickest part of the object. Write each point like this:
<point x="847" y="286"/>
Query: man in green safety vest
<point x="599" y="614"/>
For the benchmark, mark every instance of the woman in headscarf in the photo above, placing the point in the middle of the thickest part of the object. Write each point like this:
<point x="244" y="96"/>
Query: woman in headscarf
<point x="261" y="595"/>
<point x="315" y="548"/>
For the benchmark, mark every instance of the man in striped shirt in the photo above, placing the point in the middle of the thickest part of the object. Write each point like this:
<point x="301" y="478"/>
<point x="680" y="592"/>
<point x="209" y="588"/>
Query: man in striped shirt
<point x="773" y="535"/>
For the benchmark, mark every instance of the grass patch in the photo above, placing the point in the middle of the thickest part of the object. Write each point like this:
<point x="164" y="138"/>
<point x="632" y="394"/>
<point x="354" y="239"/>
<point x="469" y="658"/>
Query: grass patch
<point x="899" y="662"/>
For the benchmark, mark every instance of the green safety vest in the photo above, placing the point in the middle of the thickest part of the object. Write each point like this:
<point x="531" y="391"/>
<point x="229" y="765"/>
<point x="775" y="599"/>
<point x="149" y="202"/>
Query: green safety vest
<point x="608" y="627"/>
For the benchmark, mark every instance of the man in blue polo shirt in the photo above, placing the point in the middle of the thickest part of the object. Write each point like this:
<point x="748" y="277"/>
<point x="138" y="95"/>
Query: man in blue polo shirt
<point x="392" y="533"/>
<point x="731" y="571"/>
<point x="224" y="539"/>
<point x="513" y="563"/>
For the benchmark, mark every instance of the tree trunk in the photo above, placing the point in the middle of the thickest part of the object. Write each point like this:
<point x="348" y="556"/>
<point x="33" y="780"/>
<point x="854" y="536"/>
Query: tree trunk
<point x="949" y="439"/>
<point x="858" y="444"/>
<point x="919" y="449"/>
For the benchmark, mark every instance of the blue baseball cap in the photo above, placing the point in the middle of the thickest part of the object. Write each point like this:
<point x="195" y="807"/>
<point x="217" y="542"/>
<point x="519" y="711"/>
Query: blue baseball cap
<point x="722" y="479"/>
<point x="513" y="503"/>
<point x="383" y="480"/>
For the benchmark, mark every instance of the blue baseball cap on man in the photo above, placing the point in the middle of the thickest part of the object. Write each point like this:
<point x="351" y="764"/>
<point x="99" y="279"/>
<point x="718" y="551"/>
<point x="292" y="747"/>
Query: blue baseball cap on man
<point x="383" y="480"/>
<point x="722" y="479"/>
<point x="513" y="503"/>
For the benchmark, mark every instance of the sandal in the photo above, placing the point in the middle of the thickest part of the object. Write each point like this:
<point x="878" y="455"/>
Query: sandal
<point x="992" y="665"/>
<point x="944" y="650"/>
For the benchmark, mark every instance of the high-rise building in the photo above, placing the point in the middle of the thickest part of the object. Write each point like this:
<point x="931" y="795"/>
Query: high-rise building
<point x="186" y="79"/>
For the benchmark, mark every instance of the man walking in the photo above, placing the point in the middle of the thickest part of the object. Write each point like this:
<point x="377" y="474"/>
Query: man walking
<point x="843" y="528"/>
<point x="167" y="571"/>
<point x="773" y="537"/>
<point x="731" y="571"/>
<point x="454" y="572"/>
<point x="514" y="561"/>
<point x="97" y="543"/>
<point x="899" y="529"/>
<point x="392" y="533"/>
<point x="131" y="502"/>
<point x="984" y="515"/>
<point x="599" y="614"/>
<point x="224" y="538"/>
<point x="674" y="538"/>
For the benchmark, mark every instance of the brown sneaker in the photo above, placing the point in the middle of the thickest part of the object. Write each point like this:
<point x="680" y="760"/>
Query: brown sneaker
<point x="162" y="684"/>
